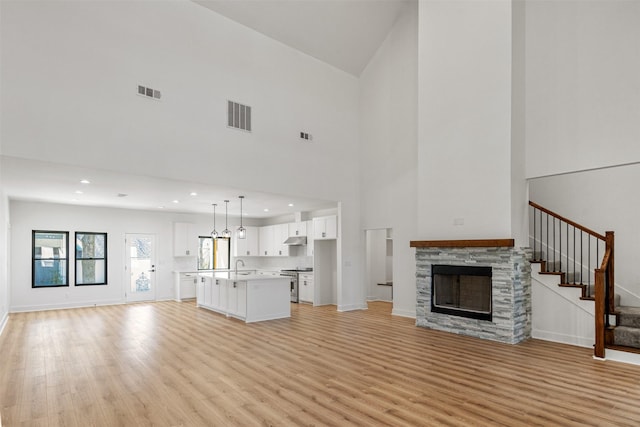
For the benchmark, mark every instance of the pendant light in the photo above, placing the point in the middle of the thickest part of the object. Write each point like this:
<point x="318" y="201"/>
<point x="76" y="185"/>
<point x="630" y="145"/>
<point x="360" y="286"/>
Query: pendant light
<point x="242" y="232"/>
<point x="214" y="233"/>
<point x="226" y="232"/>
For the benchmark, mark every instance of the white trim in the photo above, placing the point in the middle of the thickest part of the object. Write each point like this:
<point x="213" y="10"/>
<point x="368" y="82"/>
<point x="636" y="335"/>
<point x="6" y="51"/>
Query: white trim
<point x="622" y="356"/>
<point x="403" y="313"/>
<point x="3" y="323"/>
<point x="586" y="342"/>
<point x="64" y="306"/>
<point x="352" y="307"/>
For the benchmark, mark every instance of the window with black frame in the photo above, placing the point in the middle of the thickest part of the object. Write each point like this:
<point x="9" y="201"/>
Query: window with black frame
<point x="91" y="258"/>
<point x="50" y="259"/>
<point x="214" y="254"/>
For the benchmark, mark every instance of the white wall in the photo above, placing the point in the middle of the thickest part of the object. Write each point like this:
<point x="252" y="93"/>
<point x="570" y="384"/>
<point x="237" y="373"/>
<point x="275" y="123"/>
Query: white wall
<point x="388" y="145"/>
<point x="582" y="85"/>
<point x="464" y="133"/>
<point x="4" y="257"/>
<point x="71" y="70"/>
<point x="602" y="200"/>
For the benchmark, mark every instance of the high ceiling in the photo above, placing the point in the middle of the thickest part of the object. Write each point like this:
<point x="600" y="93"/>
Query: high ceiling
<point x="343" y="33"/>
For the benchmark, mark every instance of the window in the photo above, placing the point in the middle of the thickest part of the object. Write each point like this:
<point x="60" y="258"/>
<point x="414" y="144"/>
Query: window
<point x="214" y="254"/>
<point x="50" y="259"/>
<point x="91" y="259"/>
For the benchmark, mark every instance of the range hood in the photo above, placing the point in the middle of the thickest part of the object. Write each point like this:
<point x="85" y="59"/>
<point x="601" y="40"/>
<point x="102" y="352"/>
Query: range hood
<point x="296" y="241"/>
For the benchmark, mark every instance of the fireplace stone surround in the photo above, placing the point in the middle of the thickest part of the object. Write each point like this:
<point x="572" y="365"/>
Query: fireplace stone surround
<point x="510" y="284"/>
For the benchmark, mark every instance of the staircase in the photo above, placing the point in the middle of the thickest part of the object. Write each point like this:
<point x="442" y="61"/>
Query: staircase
<point x="584" y="259"/>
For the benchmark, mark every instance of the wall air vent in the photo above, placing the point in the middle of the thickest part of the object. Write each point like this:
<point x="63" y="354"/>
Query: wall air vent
<point x="238" y="116"/>
<point x="148" y="92"/>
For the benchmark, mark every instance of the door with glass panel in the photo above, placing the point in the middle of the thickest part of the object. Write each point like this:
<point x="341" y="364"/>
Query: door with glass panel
<point x="140" y="268"/>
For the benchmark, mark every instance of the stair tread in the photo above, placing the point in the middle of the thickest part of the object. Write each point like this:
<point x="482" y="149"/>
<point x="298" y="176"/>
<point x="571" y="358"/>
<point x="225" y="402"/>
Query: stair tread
<point x="629" y="310"/>
<point x="627" y="336"/>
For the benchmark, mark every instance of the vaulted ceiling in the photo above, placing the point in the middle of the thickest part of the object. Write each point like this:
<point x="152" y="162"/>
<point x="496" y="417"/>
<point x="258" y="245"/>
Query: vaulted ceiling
<point x="343" y="33"/>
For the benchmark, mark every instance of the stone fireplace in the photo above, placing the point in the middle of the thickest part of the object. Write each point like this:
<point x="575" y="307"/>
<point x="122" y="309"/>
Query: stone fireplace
<point x="480" y="288"/>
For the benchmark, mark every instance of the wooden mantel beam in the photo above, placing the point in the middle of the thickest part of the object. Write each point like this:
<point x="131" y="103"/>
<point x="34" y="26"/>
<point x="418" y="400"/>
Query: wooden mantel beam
<point x="479" y="243"/>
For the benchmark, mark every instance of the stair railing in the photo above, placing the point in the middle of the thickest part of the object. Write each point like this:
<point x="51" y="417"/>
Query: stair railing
<point x="604" y="297"/>
<point x="584" y="256"/>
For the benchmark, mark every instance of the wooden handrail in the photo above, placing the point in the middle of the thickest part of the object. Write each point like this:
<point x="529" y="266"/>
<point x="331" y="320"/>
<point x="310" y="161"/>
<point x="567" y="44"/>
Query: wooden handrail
<point x="568" y="221"/>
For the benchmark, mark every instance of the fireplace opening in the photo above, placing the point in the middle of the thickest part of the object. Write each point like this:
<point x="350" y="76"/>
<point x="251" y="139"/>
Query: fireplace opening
<point x="461" y="291"/>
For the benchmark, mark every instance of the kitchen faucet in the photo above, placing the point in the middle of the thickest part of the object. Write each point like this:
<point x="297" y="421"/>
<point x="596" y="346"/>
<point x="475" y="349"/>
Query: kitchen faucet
<point x="237" y="261"/>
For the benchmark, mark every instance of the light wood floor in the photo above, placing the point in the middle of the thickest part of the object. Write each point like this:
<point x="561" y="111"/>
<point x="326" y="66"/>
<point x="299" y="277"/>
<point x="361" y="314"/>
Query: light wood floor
<point x="171" y="363"/>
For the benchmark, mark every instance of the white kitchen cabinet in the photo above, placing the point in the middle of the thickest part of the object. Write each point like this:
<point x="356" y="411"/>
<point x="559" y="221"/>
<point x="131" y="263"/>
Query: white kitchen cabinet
<point x="265" y="241"/>
<point x="325" y="227"/>
<point x="305" y="288"/>
<point x="185" y="241"/>
<point x="309" y="227"/>
<point x="237" y="294"/>
<point x="248" y="246"/>
<point x="281" y="234"/>
<point x="298" y="228"/>
<point x="185" y="285"/>
<point x="254" y="298"/>
<point x="200" y="293"/>
<point x="271" y="241"/>
<point x="208" y="290"/>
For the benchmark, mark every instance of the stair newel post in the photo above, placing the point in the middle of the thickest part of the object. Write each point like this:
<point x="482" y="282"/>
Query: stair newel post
<point x="600" y="302"/>
<point x="610" y="271"/>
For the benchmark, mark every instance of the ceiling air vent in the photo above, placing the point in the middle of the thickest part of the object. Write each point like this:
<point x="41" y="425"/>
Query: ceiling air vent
<point x="238" y="116"/>
<point x="148" y="92"/>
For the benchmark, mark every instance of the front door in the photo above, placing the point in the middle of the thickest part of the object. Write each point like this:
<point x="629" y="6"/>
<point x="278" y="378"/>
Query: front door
<point x="140" y="267"/>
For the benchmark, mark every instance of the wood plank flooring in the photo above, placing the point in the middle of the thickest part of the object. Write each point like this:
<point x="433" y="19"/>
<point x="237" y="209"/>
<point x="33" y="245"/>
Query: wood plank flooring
<point x="172" y="364"/>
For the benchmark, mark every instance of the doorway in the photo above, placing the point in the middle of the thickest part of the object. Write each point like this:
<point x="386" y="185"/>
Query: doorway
<point x="140" y="267"/>
<point x="379" y="264"/>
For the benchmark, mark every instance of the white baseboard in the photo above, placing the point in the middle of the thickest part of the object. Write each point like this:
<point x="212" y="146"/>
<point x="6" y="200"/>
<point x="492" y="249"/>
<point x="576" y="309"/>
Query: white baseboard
<point x="352" y="307"/>
<point x="562" y="338"/>
<point x="622" y="356"/>
<point x="403" y="313"/>
<point x="45" y="307"/>
<point x="3" y="323"/>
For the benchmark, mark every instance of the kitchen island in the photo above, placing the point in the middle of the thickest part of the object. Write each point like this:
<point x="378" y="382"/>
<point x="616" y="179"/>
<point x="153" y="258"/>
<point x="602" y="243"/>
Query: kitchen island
<point x="246" y="296"/>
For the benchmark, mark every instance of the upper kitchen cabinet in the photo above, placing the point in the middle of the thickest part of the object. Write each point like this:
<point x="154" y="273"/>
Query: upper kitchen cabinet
<point x="298" y="229"/>
<point x="281" y="234"/>
<point x="325" y="227"/>
<point x="185" y="241"/>
<point x="271" y="241"/>
<point x="266" y="241"/>
<point x="247" y="246"/>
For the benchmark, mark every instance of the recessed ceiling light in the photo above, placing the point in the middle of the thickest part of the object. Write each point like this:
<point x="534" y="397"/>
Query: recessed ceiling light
<point x="85" y="181"/>
<point x="160" y="207"/>
<point x="290" y="205"/>
<point x="266" y="210"/>
<point x="175" y="201"/>
<point x="193" y="193"/>
<point x="78" y="192"/>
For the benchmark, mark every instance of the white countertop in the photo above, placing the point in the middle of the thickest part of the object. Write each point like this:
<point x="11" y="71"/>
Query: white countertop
<point x="230" y="275"/>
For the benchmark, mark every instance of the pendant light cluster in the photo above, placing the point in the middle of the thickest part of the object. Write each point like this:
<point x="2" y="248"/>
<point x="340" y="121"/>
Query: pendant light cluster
<point x="226" y="233"/>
